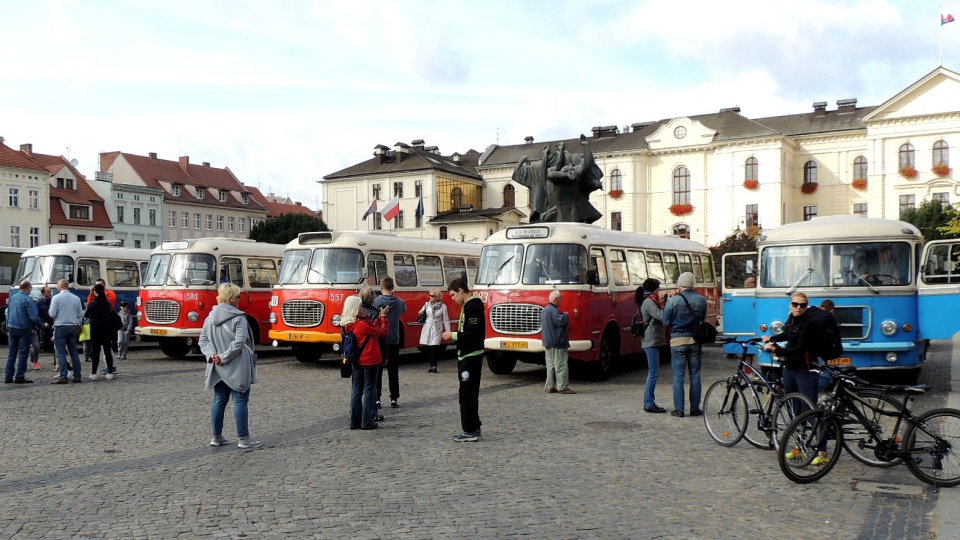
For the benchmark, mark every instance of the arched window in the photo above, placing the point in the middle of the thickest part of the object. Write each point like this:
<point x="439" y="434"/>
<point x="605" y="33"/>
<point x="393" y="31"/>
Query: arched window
<point x="860" y="168"/>
<point x="456" y="197"/>
<point x="616" y="180"/>
<point x="682" y="230"/>
<point x="810" y="172"/>
<point x="750" y="169"/>
<point x="443" y="232"/>
<point x="509" y="195"/>
<point x="907" y="157"/>
<point x="941" y="153"/>
<point x="681" y="186"/>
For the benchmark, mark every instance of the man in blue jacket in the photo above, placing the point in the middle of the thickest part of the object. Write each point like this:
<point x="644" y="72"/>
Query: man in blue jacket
<point x="556" y="345"/>
<point x="396" y="308"/>
<point x="23" y="319"/>
<point x="680" y="313"/>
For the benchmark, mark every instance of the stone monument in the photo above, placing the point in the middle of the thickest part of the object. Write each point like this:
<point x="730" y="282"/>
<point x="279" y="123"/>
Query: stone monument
<point x="560" y="184"/>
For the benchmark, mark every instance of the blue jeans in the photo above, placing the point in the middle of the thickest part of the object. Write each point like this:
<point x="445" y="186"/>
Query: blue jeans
<point x="221" y="395"/>
<point x="653" y="375"/>
<point x="363" y="401"/>
<point x="803" y="381"/>
<point x="19" y="340"/>
<point x="65" y="341"/>
<point x="684" y="357"/>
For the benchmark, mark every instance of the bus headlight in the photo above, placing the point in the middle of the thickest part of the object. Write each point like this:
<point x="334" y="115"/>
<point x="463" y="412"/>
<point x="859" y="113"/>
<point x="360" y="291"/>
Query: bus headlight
<point x="193" y="316"/>
<point x="891" y="357"/>
<point x="888" y="328"/>
<point x="273" y="318"/>
<point x="139" y="316"/>
<point x="776" y="327"/>
<point x="336" y="320"/>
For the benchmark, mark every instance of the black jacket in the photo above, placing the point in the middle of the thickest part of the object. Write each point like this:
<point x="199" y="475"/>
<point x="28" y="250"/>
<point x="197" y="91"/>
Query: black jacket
<point x="99" y="311"/>
<point x="473" y="329"/>
<point x="805" y="336"/>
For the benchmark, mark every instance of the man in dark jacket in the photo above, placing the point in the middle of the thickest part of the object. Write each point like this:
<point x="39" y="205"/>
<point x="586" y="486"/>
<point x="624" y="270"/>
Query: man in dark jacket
<point x="556" y="345"/>
<point x="395" y="308"/>
<point x="469" y="340"/>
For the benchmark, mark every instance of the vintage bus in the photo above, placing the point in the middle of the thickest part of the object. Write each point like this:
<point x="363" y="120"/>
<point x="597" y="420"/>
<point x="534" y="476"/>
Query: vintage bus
<point x="181" y="281"/>
<point x="82" y="264"/>
<point x="9" y="259"/>
<point x="598" y="269"/>
<point x="868" y="268"/>
<point x="321" y="269"/>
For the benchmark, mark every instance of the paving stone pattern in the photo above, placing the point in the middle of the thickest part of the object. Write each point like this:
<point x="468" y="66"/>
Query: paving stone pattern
<point x="129" y="458"/>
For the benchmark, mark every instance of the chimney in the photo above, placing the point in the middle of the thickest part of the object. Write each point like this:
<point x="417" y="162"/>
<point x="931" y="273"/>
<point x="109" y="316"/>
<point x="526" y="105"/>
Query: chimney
<point x="27" y="149"/>
<point x="400" y="150"/>
<point x="206" y="164"/>
<point x="185" y="163"/>
<point x="299" y="203"/>
<point x="819" y="108"/>
<point x="456" y="157"/>
<point x="730" y="109"/>
<point x="604" y="131"/>
<point x="846" y="105"/>
<point x="153" y="156"/>
<point x="417" y="143"/>
<point x="380" y="152"/>
<point x="528" y="139"/>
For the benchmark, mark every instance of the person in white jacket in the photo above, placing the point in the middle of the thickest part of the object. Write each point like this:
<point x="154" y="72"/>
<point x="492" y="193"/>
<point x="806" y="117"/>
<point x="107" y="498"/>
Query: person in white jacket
<point x="438" y="321"/>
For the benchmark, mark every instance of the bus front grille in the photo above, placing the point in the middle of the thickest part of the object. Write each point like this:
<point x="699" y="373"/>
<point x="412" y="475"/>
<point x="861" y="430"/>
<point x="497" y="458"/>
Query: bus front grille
<point x="515" y="318"/>
<point x="162" y="311"/>
<point x="302" y="313"/>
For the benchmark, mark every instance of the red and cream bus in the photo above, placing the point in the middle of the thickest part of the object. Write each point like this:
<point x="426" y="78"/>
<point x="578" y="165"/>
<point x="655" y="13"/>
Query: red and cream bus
<point x="321" y="269"/>
<point x="180" y="288"/>
<point x="598" y="269"/>
<point x="9" y="259"/>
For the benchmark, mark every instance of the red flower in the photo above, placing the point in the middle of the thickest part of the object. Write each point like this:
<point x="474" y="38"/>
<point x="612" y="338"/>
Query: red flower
<point x="941" y="170"/>
<point x="615" y="193"/>
<point x="681" y="209"/>
<point x="859" y="183"/>
<point x="751" y="183"/>
<point x="908" y="172"/>
<point x="808" y="187"/>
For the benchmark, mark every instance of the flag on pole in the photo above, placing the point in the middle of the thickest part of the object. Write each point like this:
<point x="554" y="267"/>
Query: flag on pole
<point x="392" y="208"/>
<point x="371" y="210"/>
<point x="420" y="208"/>
<point x="946" y="18"/>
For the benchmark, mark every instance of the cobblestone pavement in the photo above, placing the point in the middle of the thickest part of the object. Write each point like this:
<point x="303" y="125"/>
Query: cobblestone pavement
<point x="129" y="458"/>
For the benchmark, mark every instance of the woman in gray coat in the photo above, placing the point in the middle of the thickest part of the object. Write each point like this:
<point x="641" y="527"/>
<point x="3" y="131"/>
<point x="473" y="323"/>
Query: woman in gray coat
<point x="231" y="364"/>
<point x="654" y="337"/>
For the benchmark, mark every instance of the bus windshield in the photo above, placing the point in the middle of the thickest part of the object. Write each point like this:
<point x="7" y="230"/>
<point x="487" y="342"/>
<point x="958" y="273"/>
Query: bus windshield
<point x="836" y="265"/>
<point x="293" y="269"/>
<point x="157" y="270"/>
<point x="49" y="269"/>
<point x="181" y="269"/>
<point x="500" y="264"/>
<point x="555" y="263"/>
<point x="334" y="266"/>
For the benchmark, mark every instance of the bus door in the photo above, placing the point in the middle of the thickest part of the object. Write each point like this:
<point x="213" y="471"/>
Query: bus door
<point x="739" y="301"/>
<point x="938" y="289"/>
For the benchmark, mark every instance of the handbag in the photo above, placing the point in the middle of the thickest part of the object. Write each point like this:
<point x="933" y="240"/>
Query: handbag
<point x="637" y="327"/>
<point x="703" y="332"/>
<point x="84" y="331"/>
<point x="422" y="319"/>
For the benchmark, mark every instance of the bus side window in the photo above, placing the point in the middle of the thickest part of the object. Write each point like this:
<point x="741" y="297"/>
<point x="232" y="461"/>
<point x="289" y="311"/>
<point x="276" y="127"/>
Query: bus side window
<point x="618" y="263"/>
<point x="405" y="269"/>
<point x="429" y="271"/>
<point x="88" y="272"/>
<point x="376" y="268"/>
<point x="234" y="270"/>
<point x="598" y="262"/>
<point x="473" y="266"/>
<point x="638" y="267"/>
<point x="453" y="268"/>
<point x="261" y="273"/>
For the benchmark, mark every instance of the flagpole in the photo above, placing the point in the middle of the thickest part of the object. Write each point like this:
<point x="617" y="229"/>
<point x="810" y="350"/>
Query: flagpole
<point x="940" y="36"/>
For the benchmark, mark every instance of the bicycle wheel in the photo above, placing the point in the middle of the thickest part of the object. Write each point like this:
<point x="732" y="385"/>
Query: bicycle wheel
<point x="788" y="408"/>
<point x="857" y="439"/>
<point x="803" y="440"/>
<point x="758" y="418"/>
<point x="725" y="413"/>
<point x="934" y="446"/>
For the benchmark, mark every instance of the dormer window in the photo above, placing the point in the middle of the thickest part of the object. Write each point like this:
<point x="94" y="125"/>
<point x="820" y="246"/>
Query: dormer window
<point x="65" y="183"/>
<point x="79" y="212"/>
<point x="223" y="196"/>
<point x="200" y="192"/>
<point x="246" y="200"/>
<point x="176" y="191"/>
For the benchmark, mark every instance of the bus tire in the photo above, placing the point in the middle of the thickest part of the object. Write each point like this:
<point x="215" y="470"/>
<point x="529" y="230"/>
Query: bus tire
<point x="601" y="369"/>
<point x="307" y="353"/>
<point x="501" y="363"/>
<point x="174" y="347"/>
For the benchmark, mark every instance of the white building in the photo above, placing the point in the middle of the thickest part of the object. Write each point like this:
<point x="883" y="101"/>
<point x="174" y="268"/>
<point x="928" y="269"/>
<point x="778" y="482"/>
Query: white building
<point x="24" y="200"/>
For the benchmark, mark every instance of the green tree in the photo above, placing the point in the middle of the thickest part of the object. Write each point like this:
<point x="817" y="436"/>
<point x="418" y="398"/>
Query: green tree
<point x="737" y="242"/>
<point x="936" y="221"/>
<point x="286" y="227"/>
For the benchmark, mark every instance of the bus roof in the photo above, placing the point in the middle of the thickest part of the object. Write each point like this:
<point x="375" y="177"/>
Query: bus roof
<point x="100" y="250"/>
<point x="222" y="246"/>
<point x="384" y="242"/>
<point x="842" y="229"/>
<point x="582" y="233"/>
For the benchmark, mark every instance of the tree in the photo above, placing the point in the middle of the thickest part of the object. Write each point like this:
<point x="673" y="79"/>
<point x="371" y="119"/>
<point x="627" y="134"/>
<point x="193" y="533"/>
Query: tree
<point x="935" y="220"/>
<point x="737" y="242"/>
<point x="286" y="227"/>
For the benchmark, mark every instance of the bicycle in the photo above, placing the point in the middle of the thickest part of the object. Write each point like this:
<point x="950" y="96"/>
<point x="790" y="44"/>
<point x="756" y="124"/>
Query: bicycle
<point x="924" y="443"/>
<point x="729" y="415"/>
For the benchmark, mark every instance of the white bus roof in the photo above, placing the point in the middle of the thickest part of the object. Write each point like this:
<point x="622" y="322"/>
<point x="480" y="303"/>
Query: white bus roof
<point x="840" y="229"/>
<point x="89" y="249"/>
<point x="384" y="242"/>
<point x="582" y="233"/>
<point x="221" y="246"/>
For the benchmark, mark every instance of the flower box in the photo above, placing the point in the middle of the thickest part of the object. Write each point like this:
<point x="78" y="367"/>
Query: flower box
<point x="908" y="172"/>
<point x="941" y="170"/>
<point x="681" y="209"/>
<point x="809" y="187"/>
<point x="615" y="193"/>
<point x="751" y="183"/>
<point x="859" y="183"/>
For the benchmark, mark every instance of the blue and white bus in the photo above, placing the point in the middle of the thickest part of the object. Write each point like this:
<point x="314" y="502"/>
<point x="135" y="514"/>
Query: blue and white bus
<point x="886" y="309"/>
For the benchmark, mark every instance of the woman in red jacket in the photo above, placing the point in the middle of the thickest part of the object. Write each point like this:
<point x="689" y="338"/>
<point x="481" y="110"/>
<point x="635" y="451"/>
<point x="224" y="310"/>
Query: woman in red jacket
<point x="364" y="380"/>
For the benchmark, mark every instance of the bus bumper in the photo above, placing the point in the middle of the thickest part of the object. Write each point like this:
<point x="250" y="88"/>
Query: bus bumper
<point x="166" y="331"/>
<point x="285" y="336"/>
<point x="852" y="350"/>
<point x="522" y="345"/>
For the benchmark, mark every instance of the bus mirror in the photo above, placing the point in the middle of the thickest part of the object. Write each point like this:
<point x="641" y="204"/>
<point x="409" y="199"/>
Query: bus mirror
<point x="364" y="274"/>
<point x="592" y="277"/>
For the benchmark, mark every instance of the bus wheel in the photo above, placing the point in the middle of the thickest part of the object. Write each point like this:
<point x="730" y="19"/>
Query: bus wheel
<point x="307" y="353"/>
<point x="500" y="363"/>
<point x="174" y="347"/>
<point x="604" y="364"/>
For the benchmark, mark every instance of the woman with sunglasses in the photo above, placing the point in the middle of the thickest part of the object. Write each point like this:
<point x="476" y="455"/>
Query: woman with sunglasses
<point x="436" y="323"/>
<point x="804" y="332"/>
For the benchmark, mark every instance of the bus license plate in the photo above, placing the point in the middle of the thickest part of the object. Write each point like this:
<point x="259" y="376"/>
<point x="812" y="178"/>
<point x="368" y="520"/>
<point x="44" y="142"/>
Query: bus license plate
<point x="293" y="336"/>
<point x="844" y="361"/>
<point x="513" y="344"/>
<point x="158" y="331"/>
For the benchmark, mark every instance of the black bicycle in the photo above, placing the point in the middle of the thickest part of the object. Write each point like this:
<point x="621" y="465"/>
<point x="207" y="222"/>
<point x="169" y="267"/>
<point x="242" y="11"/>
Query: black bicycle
<point x="730" y="415"/>
<point x="927" y="443"/>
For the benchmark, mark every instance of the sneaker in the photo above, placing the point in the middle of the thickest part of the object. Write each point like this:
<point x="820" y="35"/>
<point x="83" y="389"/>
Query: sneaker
<point x="108" y="376"/>
<point x="378" y="403"/>
<point x="248" y="442"/>
<point x="466" y="437"/>
<point x="793" y="454"/>
<point x="104" y="371"/>
<point x="69" y="374"/>
<point x="820" y="460"/>
<point x="37" y="366"/>
<point x="219" y="441"/>
<point x="378" y="418"/>
<point x="394" y="404"/>
<point x="93" y="376"/>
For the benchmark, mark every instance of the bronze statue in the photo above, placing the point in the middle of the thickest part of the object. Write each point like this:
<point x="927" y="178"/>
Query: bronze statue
<point x="560" y="185"/>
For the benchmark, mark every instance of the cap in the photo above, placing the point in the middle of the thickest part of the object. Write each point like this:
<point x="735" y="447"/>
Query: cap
<point x="686" y="280"/>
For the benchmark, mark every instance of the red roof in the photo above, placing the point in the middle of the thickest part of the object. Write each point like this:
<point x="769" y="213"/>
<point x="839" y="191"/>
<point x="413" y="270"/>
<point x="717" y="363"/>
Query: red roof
<point x="14" y="158"/>
<point x="82" y="194"/>
<point x="275" y="209"/>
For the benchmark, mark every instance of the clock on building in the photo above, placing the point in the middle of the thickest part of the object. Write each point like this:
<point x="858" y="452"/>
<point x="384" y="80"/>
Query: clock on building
<point x="680" y="132"/>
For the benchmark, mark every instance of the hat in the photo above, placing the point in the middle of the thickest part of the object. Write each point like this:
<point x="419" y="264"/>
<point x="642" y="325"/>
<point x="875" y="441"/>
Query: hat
<point x="686" y="280"/>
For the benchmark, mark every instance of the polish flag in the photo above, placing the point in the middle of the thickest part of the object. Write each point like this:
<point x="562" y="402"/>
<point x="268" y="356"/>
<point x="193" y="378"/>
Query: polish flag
<point x="946" y="18"/>
<point x="392" y="208"/>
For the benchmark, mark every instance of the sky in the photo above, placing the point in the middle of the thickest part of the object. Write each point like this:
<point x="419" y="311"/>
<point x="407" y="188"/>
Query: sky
<point x="284" y="92"/>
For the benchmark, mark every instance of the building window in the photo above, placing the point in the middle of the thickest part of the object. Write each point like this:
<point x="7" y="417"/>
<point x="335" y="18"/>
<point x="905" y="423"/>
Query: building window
<point x="943" y="198"/>
<point x="246" y="198"/>
<point x="137" y="244"/>
<point x="752" y="216"/>
<point x="377" y="221"/>
<point x="681" y="186"/>
<point x="200" y="192"/>
<point x="243" y="224"/>
<point x="907" y="156"/>
<point x="443" y="232"/>
<point x="14" y="199"/>
<point x="860" y="209"/>
<point x="185" y="220"/>
<point x="860" y="168"/>
<point x="907" y="202"/>
<point x="616" y="181"/>
<point x="682" y="230"/>
<point x="136" y="216"/>
<point x="231" y="223"/>
<point x="456" y="197"/>
<point x="98" y="238"/>
<point x="751" y="169"/>
<point x="79" y="212"/>
<point x="223" y="195"/>
<point x="398" y="222"/>
<point x="34" y="199"/>
<point x="398" y="189"/>
<point x="153" y="244"/>
<point x="616" y="221"/>
<point x="173" y="219"/>
<point x="196" y="221"/>
<point x="809" y="212"/>
<point x="941" y="153"/>
<point x="123" y="242"/>
<point x="34" y="236"/>
<point x="119" y="214"/>
<point x="153" y="217"/>
<point x="418" y="188"/>
<point x="61" y="238"/>
<point x="220" y="223"/>
<point x="376" y="192"/>
<point x="15" y="236"/>
<point x="81" y="238"/>
<point x="810" y="172"/>
<point x="209" y="222"/>
<point x="176" y="193"/>
<point x="509" y="195"/>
